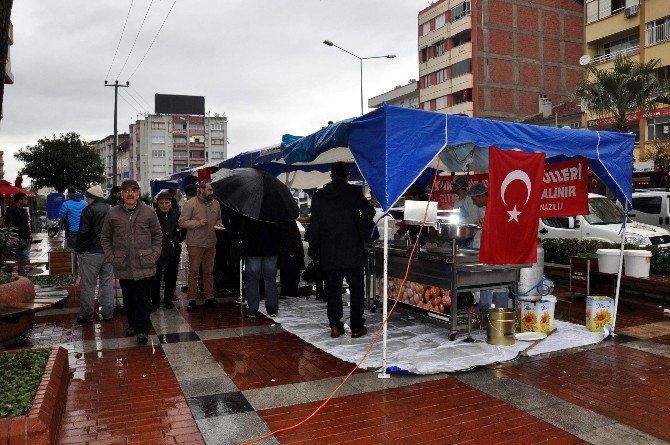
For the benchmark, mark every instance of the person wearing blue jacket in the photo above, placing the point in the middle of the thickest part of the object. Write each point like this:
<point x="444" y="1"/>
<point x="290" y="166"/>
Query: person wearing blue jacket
<point x="71" y="211"/>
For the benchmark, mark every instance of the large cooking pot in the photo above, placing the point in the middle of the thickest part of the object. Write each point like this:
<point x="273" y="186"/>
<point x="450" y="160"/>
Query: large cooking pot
<point x="459" y="232"/>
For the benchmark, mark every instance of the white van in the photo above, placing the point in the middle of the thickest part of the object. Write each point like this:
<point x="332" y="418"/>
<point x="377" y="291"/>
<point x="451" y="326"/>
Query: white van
<point x="651" y="207"/>
<point x="603" y="223"/>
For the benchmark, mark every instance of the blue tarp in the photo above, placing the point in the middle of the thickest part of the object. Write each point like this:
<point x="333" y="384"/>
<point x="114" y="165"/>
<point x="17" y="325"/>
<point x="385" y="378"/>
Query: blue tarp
<point x="393" y="145"/>
<point x="300" y="149"/>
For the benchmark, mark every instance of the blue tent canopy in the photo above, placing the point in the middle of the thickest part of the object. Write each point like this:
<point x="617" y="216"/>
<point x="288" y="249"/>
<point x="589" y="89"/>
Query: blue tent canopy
<point x="393" y="146"/>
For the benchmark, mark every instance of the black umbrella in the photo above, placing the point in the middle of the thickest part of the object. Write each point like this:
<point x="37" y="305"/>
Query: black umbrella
<point x="256" y="194"/>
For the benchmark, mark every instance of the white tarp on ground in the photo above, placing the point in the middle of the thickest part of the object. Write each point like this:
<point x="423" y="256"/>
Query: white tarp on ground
<point x="416" y="346"/>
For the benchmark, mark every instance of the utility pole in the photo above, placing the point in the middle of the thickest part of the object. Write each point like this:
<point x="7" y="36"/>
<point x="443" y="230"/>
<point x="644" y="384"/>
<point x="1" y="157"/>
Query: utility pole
<point x="116" y="86"/>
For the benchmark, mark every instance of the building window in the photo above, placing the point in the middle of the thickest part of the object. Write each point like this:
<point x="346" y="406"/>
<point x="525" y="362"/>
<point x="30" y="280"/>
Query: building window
<point x="441" y="102"/>
<point x="158" y="125"/>
<point x="658" y="129"/>
<point x="618" y="5"/>
<point x="658" y="31"/>
<point x="599" y="9"/>
<point x="463" y="96"/>
<point x="426" y="81"/>
<point x="441" y="76"/>
<point x="218" y="155"/>
<point x="461" y="10"/>
<point x="157" y="139"/>
<point x="425" y="29"/>
<point x="438" y="49"/>
<point x="198" y="154"/>
<point x="197" y="139"/>
<point x="461" y="38"/>
<point x="426" y="105"/>
<point x="440" y="20"/>
<point x="218" y="141"/>
<point x="620" y="45"/>
<point x="158" y="153"/>
<point x="424" y="54"/>
<point x="216" y="126"/>
<point x="461" y="68"/>
<point x="179" y="154"/>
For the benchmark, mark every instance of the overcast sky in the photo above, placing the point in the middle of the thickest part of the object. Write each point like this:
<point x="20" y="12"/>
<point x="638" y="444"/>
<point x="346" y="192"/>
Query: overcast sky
<point x="261" y="62"/>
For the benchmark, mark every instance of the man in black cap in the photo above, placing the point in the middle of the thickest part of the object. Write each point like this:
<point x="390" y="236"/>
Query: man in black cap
<point x="131" y="238"/>
<point x="335" y="240"/>
<point x="168" y="263"/>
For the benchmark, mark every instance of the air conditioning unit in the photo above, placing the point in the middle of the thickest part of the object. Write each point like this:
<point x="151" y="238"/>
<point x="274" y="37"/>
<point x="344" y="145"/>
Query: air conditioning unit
<point x="631" y="11"/>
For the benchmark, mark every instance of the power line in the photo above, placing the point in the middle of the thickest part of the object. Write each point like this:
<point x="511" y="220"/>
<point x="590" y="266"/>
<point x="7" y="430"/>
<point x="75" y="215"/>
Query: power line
<point x="126" y="101"/>
<point x="136" y="36"/>
<point x="134" y="99"/>
<point x="120" y="38"/>
<point x="153" y="40"/>
<point x="141" y="97"/>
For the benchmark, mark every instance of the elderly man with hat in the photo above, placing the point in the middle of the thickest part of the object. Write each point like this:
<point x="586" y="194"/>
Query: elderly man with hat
<point x="132" y="237"/>
<point x="93" y="265"/>
<point x="168" y="263"/>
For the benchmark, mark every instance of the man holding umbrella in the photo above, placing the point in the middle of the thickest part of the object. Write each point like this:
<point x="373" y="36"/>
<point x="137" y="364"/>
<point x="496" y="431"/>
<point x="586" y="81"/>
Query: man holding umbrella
<point x="201" y="216"/>
<point x="335" y="240"/>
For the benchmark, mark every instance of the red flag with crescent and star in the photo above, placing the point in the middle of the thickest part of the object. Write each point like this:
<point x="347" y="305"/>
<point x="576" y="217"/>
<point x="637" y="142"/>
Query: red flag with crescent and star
<point x="509" y="233"/>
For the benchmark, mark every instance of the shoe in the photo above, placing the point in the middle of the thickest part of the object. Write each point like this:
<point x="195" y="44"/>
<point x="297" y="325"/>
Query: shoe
<point x="359" y="333"/>
<point x="130" y="332"/>
<point x="142" y="338"/>
<point x="82" y="320"/>
<point x="252" y="315"/>
<point x="272" y="315"/>
<point x="169" y="305"/>
<point x="154" y="307"/>
<point x="336" y="332"/>
<point x="191" y="306"/>
<point x="211" y="302"/>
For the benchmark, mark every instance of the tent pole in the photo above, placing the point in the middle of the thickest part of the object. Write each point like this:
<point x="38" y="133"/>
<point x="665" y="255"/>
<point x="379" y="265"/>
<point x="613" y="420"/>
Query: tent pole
<point x="383" y="374"/>
<point x="241" y="298"/>
<point x="618" y="278"/>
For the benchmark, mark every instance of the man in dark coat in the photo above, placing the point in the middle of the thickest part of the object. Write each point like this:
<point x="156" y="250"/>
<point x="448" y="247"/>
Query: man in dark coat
<point x="168" y="263"/>
<point x="291" y="261"/>
<point x="17" y="219"/>
<point x="336" y="241"/>
<point x="93" y="265"/>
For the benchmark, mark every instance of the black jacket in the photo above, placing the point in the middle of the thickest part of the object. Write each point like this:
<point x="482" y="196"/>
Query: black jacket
<point x="291" y="254"/>
<point x="172" y="237"/>
<point x="90" y="226"/>
<point x="261" y="239"/>
<point x="334" y="236"/>
<point x="17" y="218"/>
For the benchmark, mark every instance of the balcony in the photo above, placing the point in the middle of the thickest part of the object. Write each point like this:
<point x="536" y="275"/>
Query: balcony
<point x="196" y="131"/>
<point x="178" y="132"/>
<point x="179" y="146"/>
<point x="659" y="33"/>
<point x="611" y="56"/>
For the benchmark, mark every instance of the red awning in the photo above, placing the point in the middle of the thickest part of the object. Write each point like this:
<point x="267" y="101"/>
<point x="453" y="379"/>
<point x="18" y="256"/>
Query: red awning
<point x="8" y="190"/>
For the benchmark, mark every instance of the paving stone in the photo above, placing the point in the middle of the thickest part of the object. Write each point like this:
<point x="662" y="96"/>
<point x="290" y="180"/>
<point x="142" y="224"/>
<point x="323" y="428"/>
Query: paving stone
<point x="571" y="418"/>
<point x="207" y="386"/>
<point x="234" y="429"/>
<point x="650" y="347"/>
<point x="215" y="405"/>
<point x="618" y="434"/>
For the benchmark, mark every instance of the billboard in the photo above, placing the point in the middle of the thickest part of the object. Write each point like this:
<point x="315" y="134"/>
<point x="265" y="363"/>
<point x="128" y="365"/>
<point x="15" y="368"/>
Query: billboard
<point x="179" y="104"/>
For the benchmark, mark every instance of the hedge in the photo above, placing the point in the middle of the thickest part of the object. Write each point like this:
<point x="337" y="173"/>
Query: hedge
<point x="559" y="250"/>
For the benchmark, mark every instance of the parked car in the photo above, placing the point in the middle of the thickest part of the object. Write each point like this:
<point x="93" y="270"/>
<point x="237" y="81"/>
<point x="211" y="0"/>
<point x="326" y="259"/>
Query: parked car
<point x="651" y="207"/>
<point x="603" y="223"/>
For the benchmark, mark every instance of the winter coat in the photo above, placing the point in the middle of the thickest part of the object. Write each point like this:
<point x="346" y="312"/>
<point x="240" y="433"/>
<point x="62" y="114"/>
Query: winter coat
<point x="171" y="249"/>
<point x="193" y="211"/>
<point x="90" y="226"/>
<point x="71" y="210"/>
<point x="261" y="239"/>
<point x="291" y="253"/>
<point x="17" y="219"/>
<point x="132" y="241"/>
<point x="334" y="235"/>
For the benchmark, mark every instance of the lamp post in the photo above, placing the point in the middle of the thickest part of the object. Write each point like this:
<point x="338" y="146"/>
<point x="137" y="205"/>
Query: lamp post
<point x="360" y="59"/>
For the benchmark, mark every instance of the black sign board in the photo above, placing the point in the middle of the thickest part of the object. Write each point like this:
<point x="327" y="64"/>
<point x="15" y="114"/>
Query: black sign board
<point x="178" y="104"/>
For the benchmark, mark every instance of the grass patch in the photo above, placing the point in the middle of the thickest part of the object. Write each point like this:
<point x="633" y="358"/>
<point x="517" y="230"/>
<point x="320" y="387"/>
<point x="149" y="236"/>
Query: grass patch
<point x="20" y="375"/>
<point x="54" y="280"/>
<point x="6" y="278"/>
<point x="61" y="249"/>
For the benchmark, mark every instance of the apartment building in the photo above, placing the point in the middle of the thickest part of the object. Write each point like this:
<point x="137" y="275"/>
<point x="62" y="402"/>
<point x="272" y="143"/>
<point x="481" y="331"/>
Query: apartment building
<point x="496" y="58"/>
<point x="639" y="29"/>
<point x="105" y="148"/>
<point x="406" y="96"/>
<point x="162" y="144"/>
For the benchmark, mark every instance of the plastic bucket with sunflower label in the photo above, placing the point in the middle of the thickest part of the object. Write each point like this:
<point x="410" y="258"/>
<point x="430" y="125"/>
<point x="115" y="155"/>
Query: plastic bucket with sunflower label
<point x="599" y="313"/>
<point x="536" y="316"/>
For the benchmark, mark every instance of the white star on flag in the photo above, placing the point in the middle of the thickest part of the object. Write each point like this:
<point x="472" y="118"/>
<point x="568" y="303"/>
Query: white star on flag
<point x="513" y="214"/>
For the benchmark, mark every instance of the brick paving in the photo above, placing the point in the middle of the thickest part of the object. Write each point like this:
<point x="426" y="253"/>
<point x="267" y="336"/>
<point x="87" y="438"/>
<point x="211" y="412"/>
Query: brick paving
<point x="621" y="383"/>
<point x="126" y="396"/>
<point x="271" y="360"/>
<point x="229" y="315"/>
<point x="442" y="411"/>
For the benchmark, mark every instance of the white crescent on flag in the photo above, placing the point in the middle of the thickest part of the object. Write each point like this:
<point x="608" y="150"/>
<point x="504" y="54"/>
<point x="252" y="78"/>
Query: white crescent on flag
<point x="512" y="176"/>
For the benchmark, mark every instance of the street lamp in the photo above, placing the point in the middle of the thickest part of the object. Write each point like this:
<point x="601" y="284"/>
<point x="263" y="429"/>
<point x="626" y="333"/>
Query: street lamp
<point x="360" y="59"/>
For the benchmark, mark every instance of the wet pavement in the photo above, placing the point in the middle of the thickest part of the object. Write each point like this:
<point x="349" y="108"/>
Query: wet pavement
<point x="218" y="377"/>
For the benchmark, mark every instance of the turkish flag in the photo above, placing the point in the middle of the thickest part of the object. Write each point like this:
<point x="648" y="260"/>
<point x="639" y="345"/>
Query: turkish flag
<point x="509" y="233"/>
<point x="204" y="173"/>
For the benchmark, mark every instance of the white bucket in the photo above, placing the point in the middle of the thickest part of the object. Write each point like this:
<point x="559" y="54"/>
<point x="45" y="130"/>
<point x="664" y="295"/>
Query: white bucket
<point x="531" y="276"/>
<point x="637" y="263"/>
<point x="608" y="260"/>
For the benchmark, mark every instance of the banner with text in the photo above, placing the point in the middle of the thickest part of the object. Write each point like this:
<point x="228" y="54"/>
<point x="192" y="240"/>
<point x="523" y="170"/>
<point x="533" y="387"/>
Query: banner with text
<point x="565" y="189"/>
<point x="445" y="197"/>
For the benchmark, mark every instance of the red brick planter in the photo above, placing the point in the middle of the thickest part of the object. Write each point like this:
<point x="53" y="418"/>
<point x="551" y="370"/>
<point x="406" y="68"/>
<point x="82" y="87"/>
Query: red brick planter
<point x="61" y="263"/>
<point x="40" y="426"/>
<point x="73" y="295"/>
